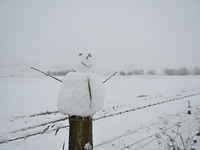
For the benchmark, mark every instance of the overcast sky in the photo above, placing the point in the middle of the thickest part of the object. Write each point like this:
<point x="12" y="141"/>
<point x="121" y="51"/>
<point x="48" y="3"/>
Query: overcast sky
<point x="117" y="32"/>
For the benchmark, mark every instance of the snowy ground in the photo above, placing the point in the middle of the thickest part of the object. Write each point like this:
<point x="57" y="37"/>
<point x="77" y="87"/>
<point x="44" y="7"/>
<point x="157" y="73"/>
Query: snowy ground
<point x="28" y="106"/>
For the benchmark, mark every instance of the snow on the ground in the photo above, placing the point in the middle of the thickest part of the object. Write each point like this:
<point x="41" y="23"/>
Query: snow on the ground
<point x="29" y="105"/>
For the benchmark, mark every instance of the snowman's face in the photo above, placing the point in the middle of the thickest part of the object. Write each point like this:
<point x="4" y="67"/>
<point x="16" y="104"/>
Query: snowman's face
<point x="83" y="62"/>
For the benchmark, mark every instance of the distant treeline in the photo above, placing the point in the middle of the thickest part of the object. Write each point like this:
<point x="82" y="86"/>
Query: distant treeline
<point x="182" y="71"/>
<point x="169" y="72"/>
<point x="138" y="72"/>
<point x="59" y="73"/>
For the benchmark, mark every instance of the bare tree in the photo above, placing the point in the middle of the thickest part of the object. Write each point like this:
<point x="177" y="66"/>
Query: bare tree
<point x="122" y="73"/>
<point x="49" y="73"/>
<point x="196" y="71"/>
<point x="151" y="72"/>
<point x="182" y="71"/>
<point x="130" y="73"/>
<point x="138" y="72"/>
<point x="170" y="72"/>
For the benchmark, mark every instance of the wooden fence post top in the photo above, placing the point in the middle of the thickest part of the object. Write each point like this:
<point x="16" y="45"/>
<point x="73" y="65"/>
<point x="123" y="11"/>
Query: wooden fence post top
<point x="79" y="118"/>
<point x="80" y="133"/>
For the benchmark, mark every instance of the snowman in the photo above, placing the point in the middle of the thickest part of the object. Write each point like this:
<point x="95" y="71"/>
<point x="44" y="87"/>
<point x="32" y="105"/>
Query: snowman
<point x="82" y="92"/>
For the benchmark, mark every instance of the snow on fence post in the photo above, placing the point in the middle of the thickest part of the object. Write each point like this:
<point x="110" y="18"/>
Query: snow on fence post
<point x="80" y="133"/>
<point x="81" y="95"/>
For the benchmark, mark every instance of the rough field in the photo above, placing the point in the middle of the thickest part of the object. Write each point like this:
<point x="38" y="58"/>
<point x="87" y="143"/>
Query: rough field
<point x="140" y="112"/>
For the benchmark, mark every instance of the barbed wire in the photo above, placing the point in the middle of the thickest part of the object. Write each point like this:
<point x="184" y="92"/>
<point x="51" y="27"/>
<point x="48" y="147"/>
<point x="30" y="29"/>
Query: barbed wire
<point x="147" y="126"/>
<point x="102" y="117"/>
<point x="128" y="146"/>
<point x="194" y="128"/>
<point x="146" y="106"/>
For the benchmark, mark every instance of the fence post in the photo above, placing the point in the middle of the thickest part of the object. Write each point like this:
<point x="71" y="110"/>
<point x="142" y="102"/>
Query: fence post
<point x="189" y="111"/>
<point x="80" y="133"/>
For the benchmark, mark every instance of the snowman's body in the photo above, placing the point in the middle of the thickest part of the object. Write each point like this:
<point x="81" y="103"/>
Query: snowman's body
<point x="82" y="92"/>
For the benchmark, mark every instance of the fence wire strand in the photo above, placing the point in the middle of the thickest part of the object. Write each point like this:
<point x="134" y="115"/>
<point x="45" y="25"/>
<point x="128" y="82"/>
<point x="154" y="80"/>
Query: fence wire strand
<point x="111" y="115"/>
<point x="128" y="146"/>
<point x="142" y="107"/>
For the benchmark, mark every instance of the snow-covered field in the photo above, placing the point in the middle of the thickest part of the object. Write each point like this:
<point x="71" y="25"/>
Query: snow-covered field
<point x="28" y="105"/>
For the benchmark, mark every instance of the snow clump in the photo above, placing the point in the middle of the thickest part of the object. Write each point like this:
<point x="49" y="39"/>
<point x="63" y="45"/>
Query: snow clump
<point x="82" y="92"/>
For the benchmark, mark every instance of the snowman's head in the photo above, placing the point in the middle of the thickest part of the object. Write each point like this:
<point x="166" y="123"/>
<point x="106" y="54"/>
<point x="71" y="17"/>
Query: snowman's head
<point x="83" y="62"/>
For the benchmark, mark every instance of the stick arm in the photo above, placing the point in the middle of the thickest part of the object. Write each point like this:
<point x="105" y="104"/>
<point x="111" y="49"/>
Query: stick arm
<point x="61" y="80"/>
<point x="46" y="74"/>
<point x="110" y="77"/>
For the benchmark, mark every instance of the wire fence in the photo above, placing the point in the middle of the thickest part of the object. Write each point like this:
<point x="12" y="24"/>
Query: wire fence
<point x="146" y="127"/>
<point x="146" y="106"/>
<point x="153" y="135"/>
<point x="102" y="117"/>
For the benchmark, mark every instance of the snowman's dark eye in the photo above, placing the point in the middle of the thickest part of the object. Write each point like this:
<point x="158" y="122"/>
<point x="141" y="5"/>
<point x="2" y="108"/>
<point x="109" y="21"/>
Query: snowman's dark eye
<point x="80" y="54"/>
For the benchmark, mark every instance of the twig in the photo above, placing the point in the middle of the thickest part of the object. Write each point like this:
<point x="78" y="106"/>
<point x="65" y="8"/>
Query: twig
<point x="110" y="77"/>
<point x="182" y="140"/>
<point x="61" y="80"/>
<point x="88" y="56"/>
<point x="46" y="74"/>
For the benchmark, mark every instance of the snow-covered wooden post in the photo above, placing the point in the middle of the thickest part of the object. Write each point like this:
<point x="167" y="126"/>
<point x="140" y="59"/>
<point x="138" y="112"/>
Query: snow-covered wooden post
<point x="80" y="133"/>
<point x="81" y="95"/>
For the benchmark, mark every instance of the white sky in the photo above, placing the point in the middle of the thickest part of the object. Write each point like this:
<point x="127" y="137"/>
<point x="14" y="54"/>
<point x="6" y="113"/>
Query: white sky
<point x="117" y="32"/>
